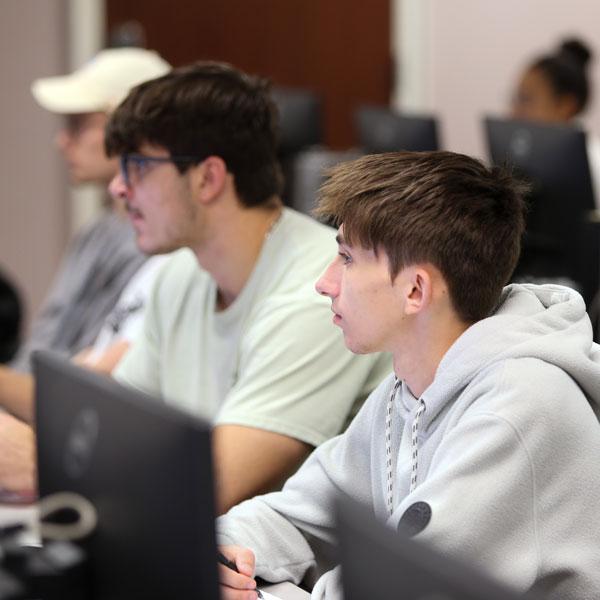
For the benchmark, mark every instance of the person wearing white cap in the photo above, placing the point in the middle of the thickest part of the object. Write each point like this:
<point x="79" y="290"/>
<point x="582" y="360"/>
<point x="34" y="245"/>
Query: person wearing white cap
<point x="101" y="84"/>
<point x="97" y="288"/>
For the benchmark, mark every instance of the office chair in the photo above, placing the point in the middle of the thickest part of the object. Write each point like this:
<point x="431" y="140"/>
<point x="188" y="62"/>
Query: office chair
<point x="300" y="128"/>
<point x="380" y="129"/>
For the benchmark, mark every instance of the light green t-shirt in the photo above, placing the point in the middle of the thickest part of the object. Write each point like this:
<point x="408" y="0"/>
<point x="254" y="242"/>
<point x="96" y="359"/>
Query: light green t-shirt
<point x="272" y="360"/>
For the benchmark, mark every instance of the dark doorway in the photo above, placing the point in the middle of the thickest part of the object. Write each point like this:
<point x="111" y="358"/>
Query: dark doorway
<point x="337" y="48"/>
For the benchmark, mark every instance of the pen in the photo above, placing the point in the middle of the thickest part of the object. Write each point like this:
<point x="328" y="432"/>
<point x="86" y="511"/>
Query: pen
<point x="231" y="565"/>
<point x="8" y="531"/>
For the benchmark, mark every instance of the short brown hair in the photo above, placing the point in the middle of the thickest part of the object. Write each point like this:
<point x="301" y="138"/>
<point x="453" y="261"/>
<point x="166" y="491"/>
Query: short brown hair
<point x="206" y="109"/>
<point x="439" y="207"/>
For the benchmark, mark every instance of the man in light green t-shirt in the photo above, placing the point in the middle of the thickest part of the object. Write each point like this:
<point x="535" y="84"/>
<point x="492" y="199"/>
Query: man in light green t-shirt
<point x="235" y="331"/>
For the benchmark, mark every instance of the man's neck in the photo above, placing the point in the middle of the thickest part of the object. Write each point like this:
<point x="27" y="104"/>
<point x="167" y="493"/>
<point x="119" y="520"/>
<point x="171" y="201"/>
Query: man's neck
<point x="231" y="244"/>
<point x="417" y="361"/>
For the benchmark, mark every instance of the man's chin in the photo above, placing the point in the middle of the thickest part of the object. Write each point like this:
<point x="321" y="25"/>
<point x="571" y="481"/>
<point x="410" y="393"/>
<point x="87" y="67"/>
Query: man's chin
<point x="355" y="347"/>
<point x="145" y="246"/>
<point x="75" y="179"/>
<point x="151" y="248"/>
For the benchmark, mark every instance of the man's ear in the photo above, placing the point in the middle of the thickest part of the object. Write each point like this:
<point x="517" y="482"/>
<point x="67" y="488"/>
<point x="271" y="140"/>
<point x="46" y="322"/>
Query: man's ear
<point x="208" y="179"/>
<point x="417" y="289"/>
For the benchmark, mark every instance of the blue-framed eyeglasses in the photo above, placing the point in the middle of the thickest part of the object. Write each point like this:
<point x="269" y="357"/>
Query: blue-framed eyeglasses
<point x="134" y="166"/>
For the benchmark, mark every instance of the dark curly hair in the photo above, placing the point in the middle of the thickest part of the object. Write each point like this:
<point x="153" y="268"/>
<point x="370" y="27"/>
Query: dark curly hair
<point x="205" y="109"/>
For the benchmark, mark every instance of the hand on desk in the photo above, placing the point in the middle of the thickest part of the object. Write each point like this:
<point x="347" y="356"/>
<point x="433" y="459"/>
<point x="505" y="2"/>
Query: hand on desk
<point x="240" y="585"/>
<point x="17" y="461"/>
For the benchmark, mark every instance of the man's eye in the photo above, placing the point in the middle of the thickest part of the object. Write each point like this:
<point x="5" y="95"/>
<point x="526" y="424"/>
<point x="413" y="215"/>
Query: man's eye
<point x="346" y="258"/>
<point x="141" y="166"/>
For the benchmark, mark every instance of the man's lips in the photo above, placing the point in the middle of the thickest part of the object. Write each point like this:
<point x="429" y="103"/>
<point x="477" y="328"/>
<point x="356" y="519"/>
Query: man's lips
<point x="134" y="213"/>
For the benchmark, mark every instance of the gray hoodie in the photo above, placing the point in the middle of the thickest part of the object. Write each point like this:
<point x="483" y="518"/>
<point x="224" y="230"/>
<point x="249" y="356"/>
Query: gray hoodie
<point x="508" y="458"/>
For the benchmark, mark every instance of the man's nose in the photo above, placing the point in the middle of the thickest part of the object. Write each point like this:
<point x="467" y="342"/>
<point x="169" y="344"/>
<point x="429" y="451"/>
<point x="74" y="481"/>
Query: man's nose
<point x="327" y="284"/>
<point x="117" y="188"/>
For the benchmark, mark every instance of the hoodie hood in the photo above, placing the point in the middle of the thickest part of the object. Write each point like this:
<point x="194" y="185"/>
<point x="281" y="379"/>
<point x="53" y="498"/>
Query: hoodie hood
<point x="547" y="322"/>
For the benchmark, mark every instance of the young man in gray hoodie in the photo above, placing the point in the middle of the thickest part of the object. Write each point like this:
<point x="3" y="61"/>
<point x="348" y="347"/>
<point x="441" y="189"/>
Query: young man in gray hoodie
<point x="487" y="418"/>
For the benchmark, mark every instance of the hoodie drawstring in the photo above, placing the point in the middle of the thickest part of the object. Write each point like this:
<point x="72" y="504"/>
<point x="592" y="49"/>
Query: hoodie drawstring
<point x="415" y="446"/>
<point x="388" y="447"/>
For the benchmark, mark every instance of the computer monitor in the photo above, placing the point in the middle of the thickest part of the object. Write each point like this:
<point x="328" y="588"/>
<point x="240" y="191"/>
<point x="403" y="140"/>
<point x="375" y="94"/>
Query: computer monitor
<point x="300" y="119"/>
<point x="380" y="563"/>
<point x="559" y="242"/>
<point x="382" y="130"/>
<point x="300" y="130"/>
<point x="145" y="466"/>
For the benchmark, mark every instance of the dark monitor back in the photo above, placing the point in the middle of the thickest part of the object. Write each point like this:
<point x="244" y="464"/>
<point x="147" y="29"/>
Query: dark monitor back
<point x="379" y="563"/>
<point x="559" y="242"/>
<point x="300" y="119"/>
<point x="145" y="466"/>
<point x="382" y="130"/>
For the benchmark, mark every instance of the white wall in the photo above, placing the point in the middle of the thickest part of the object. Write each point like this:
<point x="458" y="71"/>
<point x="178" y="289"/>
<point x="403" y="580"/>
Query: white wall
<point x="467" y="54"/>
<point x="33" y="200"/>
<point x="38" y="212"/>
<point x="457" y="58"/>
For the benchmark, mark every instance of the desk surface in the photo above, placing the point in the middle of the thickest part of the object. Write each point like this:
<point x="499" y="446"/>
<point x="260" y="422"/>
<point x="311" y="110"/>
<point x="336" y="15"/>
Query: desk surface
<point x="10" y="513"/>
<point x="15" y="513"/>
<point x="286" y="591"/>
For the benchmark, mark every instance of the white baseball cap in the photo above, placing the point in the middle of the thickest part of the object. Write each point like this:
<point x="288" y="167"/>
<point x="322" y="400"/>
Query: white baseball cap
<point x="101" y="84"/>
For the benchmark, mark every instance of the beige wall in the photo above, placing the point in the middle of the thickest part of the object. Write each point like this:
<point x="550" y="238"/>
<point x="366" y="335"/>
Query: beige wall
<point x="465" y="56"/>
<point x="458" y="58"/>
<point x="33" y="201"/>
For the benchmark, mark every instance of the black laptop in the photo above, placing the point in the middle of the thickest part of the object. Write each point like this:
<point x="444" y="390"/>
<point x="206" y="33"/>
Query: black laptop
<point x="145" y="466"/>
<point x="380" y="563"/>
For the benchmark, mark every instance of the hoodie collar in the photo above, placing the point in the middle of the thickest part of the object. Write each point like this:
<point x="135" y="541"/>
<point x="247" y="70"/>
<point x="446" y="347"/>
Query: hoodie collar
<point x="548" y="322"/>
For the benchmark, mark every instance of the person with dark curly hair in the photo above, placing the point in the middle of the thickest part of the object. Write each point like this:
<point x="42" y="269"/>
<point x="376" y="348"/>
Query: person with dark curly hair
<point x="234" y="332"/>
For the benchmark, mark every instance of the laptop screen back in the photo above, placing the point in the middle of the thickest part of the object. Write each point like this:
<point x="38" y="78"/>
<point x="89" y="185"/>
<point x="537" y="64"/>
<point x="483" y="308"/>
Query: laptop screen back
<point x="146" y="468"/>
<point x="380" y="563"/>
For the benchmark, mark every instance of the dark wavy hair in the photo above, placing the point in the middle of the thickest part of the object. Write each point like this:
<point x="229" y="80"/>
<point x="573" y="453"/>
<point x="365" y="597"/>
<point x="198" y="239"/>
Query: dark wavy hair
<point x="439" y="207"/>
<point x="206" y="109"/>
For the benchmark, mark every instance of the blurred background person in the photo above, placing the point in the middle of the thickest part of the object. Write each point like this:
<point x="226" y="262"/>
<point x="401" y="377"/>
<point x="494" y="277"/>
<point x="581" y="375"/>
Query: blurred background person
<point x="101" y="260"/>
<point x="555" y="88"/>
<point x="103" y="279"/>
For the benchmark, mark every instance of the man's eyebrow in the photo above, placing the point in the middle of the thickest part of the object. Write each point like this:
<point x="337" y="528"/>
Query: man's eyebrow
<point x="339" y="238"/>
